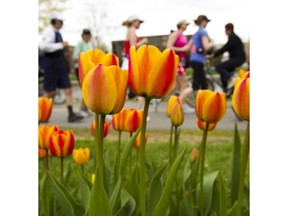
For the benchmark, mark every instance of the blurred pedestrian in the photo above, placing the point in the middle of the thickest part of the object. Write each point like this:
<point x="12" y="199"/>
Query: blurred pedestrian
<point x="84" y="45"/>
<point x="201" y="45"/>
<point x="237" y="57"/>
<point x="132" y="23"/>
<point x="55" y="65"/>
<point x="180" y="44"/>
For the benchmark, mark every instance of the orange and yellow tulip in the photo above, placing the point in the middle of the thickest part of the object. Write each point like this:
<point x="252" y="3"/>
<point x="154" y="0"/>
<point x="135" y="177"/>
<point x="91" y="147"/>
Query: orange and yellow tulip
<point x="241" y="97"/>
<point x="44" y="134"/>
<point x="172" y="100"/>
<point x="41" y="153"/>
<point x="104" y="89"/>
<point x="62" y="143"/>
<point x="177" y="114"/>
<point x="127" y="120"/>
<point x="91" y="58"/>
<point x="44" y="109"/>
<point x="81" y="155"/>
<point x="194" y="154"/>
<point x="210" y="106"/>
<point x="147" y="66"/>
<point x="202" y="125"/>
<point x="137" y="142"/>
<point x="106" y="128"/>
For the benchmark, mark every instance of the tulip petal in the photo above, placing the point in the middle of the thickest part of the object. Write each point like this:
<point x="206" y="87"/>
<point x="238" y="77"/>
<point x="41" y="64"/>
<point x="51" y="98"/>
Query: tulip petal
<point x="99" y="90"/>
<point x="164" y="70"/>
<point x="121" y="79"/>
<point x="214" y="107"/>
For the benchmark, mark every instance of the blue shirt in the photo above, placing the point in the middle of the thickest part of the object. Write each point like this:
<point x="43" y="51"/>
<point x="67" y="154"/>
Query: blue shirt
<point x="197" y="43"/>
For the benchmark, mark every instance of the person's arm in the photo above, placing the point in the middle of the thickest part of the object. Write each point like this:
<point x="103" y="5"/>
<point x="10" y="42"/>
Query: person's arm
<point x="133" y="38"/>
<point x="230" y="43"/>
<point x="48" y="43"/>
<point x="207" y="44"/>
<point x="171" y="41"/>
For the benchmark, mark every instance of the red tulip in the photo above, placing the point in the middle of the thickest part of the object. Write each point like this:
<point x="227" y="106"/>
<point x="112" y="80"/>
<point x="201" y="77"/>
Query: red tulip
<point x="202" y="125"/>
<point x="62" y="143"/>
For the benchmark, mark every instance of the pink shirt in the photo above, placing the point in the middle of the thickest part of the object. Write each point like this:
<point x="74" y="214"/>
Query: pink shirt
<point x="180" y="42"/>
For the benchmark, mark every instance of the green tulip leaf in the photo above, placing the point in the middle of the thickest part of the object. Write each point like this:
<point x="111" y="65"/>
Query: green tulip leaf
<point x="236" y="166"/>
<point x="45" y="196"/>
<point x="155" y="190"/>
<point x="99" y="203"/>
<point x="162" y="205"/>
<point x="115" y="197"/>
<point x="84" y="191"/>
<point x="208" y="185"/>
<point x="67" y="173"/>
<point x="125" y="154"/>
<point x="128" y="204"/>
<point x="65" y="199"/>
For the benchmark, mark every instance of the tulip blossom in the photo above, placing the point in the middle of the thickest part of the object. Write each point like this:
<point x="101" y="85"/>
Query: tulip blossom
<point x="172" y="100"/>
<point x="44" y="109"/>
<point x="177" y="114"/>
<point x="210" y="106"/>
<point x="152" y="73"/>
<point x="41" y="153"/>
<point x="81" y="156"/>
<point x="104" y="89"/>
<point x="106" y="128"/>
<point x="202" y="125"/>
<point x="91" y="58"/>
<point x="194" y="154"/>
<point x="93" y="178"/>
<point x="62" y="143"/>
<point x="241" y="97"/>
<point x="44" y="134"/>
<point x="127" y="120"/>
<point x="137" y="142"/>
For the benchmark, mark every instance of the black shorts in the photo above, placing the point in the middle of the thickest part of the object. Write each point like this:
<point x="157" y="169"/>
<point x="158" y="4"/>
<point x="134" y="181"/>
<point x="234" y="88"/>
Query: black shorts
<point x="56" y="74"/>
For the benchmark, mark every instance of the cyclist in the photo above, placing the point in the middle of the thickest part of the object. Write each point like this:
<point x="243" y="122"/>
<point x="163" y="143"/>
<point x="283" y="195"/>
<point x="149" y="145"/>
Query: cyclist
<point x="235" y="48"/>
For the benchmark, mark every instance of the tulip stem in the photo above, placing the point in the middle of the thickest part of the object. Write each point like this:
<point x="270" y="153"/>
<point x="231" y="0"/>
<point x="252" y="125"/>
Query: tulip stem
<point x="130" y="156"/>
<point x="46" y="160"/>
<point x="96" y="140"/>
<point x="82" y="168"/>
<point x="245" y="155"/>
<point x="61" y="168"/>
<point x="175" y="143"/>
<point x="202" y="153"/>
<point x="100" y="161"/>
<point x="119" y="145"/>
<point x="142" y="159"/>
<point x="170" y="145"/>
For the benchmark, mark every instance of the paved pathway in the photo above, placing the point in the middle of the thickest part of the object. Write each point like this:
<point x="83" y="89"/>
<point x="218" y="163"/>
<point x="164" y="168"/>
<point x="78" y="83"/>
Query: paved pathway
<point x="159" y="119"/>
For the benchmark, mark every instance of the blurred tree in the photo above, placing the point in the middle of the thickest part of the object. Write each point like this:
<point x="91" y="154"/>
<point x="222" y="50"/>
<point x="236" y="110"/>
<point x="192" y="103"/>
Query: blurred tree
<point x="46" y="7"/>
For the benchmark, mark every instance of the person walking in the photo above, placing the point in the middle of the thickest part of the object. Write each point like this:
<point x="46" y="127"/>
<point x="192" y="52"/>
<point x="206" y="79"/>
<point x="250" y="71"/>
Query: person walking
<point x="237" y="57"/>
<point x="84" y="45"/>
<point x="201" y="45"/>
<point x="55" y="65"/>
<point x="132" y="23"/>
<point x="180" y="44"/>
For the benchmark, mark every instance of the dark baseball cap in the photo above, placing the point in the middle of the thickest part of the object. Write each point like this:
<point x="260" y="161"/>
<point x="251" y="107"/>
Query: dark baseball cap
<point x="201" y="18"/>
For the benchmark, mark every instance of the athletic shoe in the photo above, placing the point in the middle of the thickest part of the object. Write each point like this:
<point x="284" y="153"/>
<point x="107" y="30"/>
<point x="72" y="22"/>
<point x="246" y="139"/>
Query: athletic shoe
<point x="187" y="109"/>
<point x="85" y="114"/>
<point x="74" y="117"/>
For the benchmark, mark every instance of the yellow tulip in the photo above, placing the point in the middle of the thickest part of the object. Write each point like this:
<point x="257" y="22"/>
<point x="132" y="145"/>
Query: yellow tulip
<point x="137" y="142"/>
<point x="152" y="73"/>
<point x="104" y="89"/>
<point x="177" y="114"/>
<point x="170" y="104"/>
<point x="44" y="109"/>
<point x="81" y="156"/>
<point x="241" y="97"/>
<point x="44" y="134"/>
<point x="210" y="106"/>
<point x="91" y="58"/>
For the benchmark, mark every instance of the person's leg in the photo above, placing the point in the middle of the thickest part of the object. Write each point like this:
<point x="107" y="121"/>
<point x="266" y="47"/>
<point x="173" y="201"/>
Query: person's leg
<point x="202" y="76"/>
